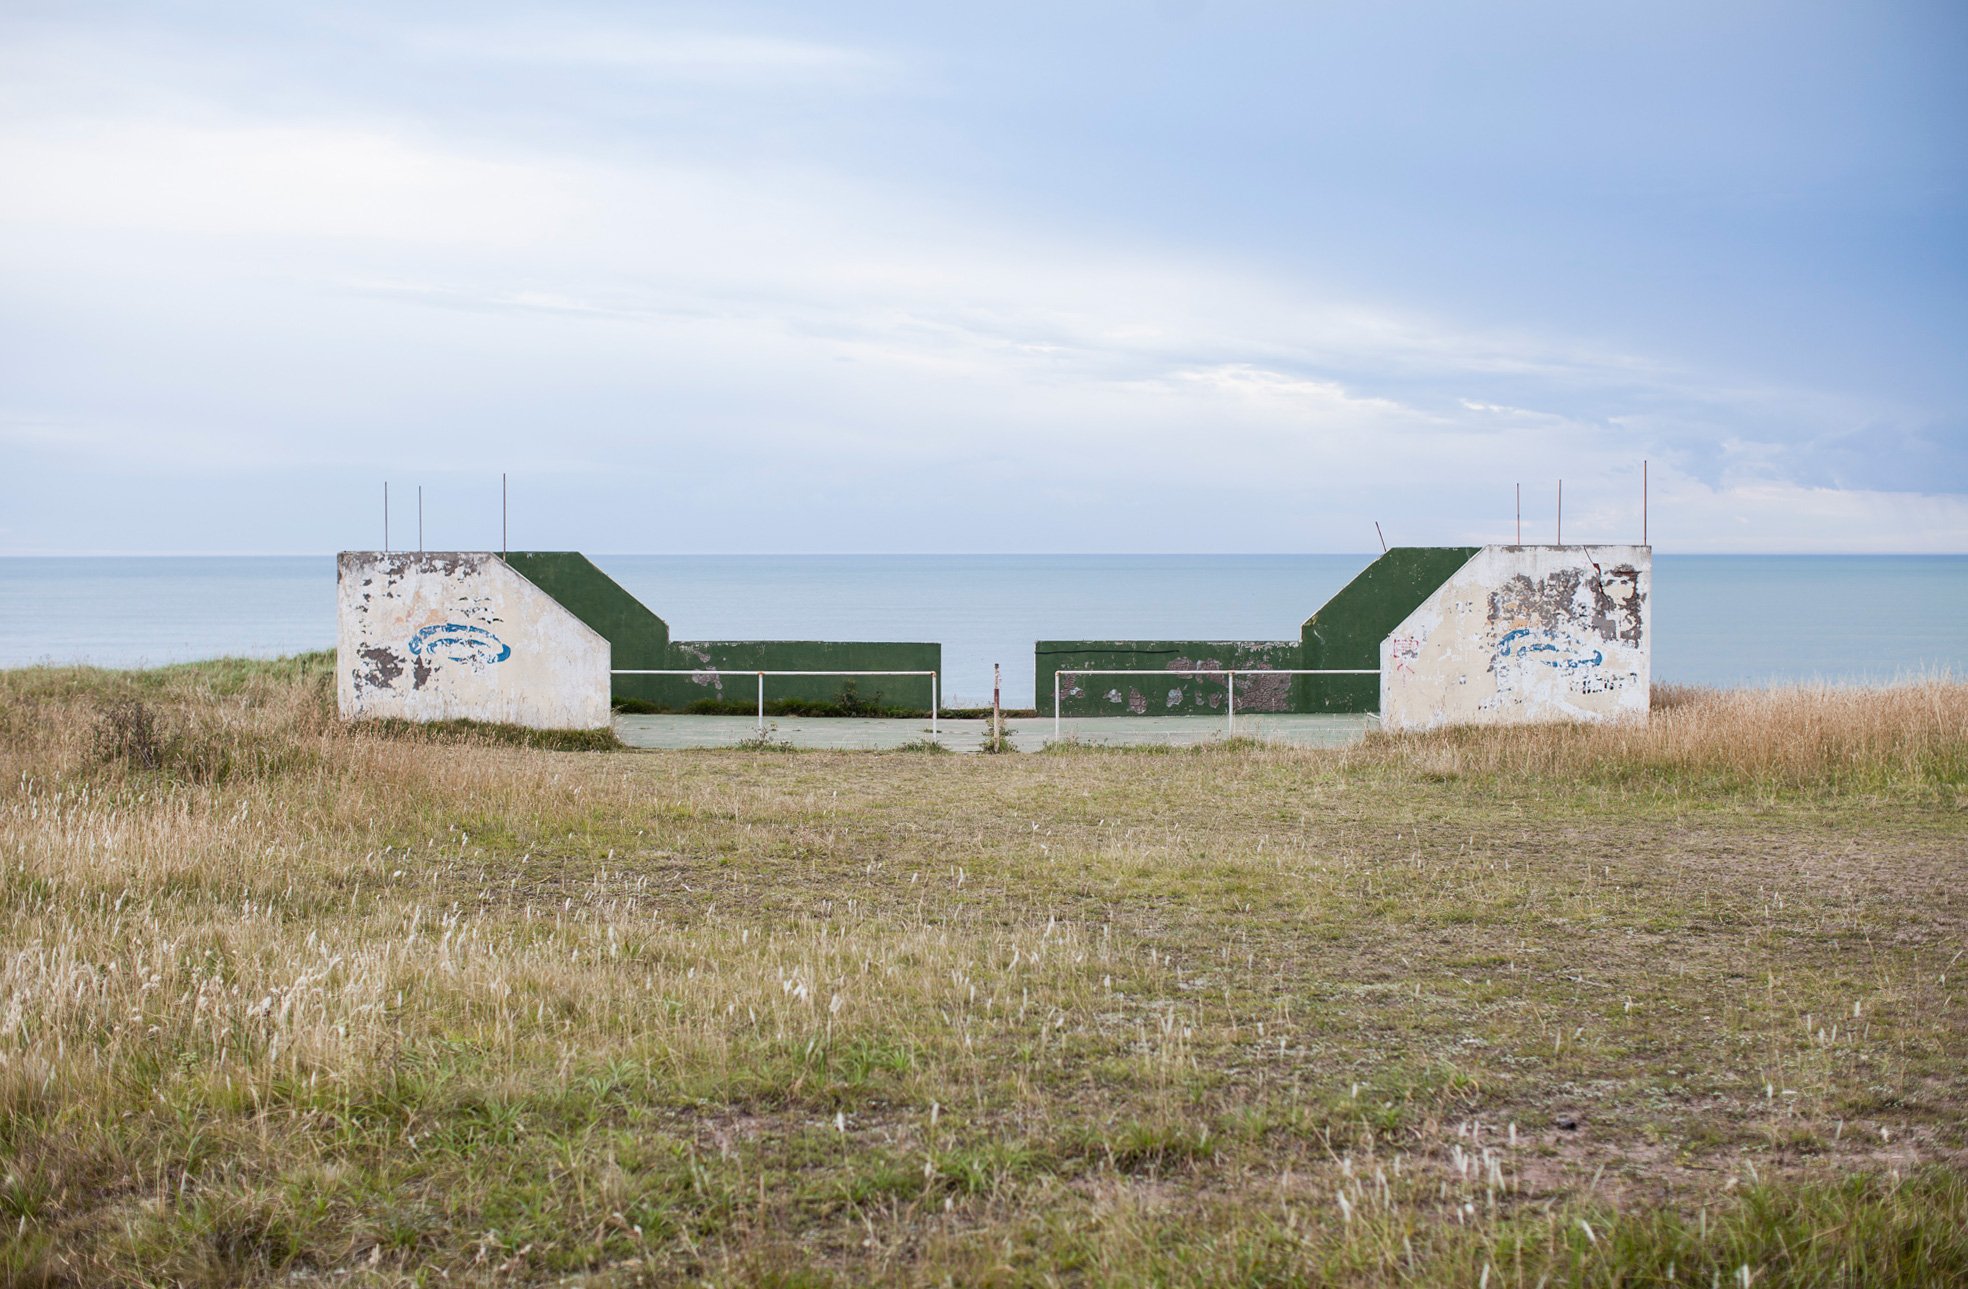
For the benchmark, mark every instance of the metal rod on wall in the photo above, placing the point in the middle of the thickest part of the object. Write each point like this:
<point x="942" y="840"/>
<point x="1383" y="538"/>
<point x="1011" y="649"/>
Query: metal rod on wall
<point x="503" y="551"/>
<point x="1643" y="502"/>
<point x="1382" y="536"/>
<point x="1520" y="514"/>
<point x="420" y="519"/>
<point x="1561" y="512"/>
<point x="386" y="516"/>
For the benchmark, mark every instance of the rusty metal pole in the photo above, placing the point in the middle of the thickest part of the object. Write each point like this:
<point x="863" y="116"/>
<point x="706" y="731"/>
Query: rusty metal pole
<point x="997" y="709"/>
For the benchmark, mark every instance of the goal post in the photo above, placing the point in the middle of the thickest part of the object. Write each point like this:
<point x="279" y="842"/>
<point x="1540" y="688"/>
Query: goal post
<point x="1229" y="674"/>
<point x="935" y="683"/>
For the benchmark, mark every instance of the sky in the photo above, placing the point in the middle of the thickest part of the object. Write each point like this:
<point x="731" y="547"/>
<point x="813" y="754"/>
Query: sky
<point x="1177" y="276"/>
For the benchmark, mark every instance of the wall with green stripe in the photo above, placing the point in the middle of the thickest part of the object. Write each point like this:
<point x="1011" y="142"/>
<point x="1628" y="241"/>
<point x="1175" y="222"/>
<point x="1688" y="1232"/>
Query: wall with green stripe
<point x="1345" y="633"/>
<point x="1168" y="692"/>
<point x="729" y="678"/>
<point x="1347" y="630"/>
<point x="638" y="639"/>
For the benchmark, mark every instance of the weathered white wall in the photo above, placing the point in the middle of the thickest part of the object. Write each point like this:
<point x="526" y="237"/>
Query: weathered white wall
<point x="1525" y="633"/>
<point x="456" y="635"/>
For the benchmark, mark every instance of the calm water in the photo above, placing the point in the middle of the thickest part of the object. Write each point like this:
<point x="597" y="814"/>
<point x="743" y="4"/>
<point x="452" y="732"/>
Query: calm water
<point x="1719" y="619"/>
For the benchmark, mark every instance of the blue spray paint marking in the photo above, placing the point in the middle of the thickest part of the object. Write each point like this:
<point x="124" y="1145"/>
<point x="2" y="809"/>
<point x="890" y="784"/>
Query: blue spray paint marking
<point x="1509" y="645"/>
<point x="459" y="642"/>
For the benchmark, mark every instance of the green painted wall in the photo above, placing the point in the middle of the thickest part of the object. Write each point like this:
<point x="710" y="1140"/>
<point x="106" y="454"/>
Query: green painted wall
<point x="678" y="693"/>
<point x="1348" y="630"/>
<point x="636" y="637"/>
<point x="1175" y="695"/>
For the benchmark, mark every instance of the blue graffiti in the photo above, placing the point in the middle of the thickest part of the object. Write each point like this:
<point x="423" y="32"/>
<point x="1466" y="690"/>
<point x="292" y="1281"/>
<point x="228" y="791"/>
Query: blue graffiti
<point x="459" y="642"/>
<point x="1521" y="642"/>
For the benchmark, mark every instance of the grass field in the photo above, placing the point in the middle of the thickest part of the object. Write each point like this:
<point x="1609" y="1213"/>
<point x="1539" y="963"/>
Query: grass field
<point x="286" y="1001"/>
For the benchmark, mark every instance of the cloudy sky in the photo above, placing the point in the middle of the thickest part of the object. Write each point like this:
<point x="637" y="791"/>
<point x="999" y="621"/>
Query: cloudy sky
<point x="900" y="277"/>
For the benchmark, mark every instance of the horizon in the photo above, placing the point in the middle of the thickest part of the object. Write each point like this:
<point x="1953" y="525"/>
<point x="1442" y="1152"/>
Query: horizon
<point x="970" y="554"/>
<point x="898" y="555"/>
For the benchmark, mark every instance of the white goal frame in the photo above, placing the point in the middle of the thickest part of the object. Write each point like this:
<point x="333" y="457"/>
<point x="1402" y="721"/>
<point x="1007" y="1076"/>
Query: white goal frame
<point x="1230" y="672"/>
<point x="935" y="683"/>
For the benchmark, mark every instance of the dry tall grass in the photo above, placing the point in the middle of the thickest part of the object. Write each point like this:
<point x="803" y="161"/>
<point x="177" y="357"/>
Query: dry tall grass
<point x="286" y="1000"/>
<point x="1819" y="739"/>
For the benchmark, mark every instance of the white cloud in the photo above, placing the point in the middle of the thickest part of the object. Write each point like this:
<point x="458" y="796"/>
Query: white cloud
<point x="1776" y="515"/>
<point x="286" y="295"/>
<point x="285" y="181"/>
<point x="703" y="56"/>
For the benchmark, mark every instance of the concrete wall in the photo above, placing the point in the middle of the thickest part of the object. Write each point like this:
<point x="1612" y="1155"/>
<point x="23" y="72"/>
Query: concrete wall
<point x="1173" y="694"/>
<point x="1525" y="633"/>
<point x="637" y="638"/>
<point x="460" y="635"/>
<point x="1347" y="630"/>
<point x="641" y="641"/>
<point x="1345" y="633"/>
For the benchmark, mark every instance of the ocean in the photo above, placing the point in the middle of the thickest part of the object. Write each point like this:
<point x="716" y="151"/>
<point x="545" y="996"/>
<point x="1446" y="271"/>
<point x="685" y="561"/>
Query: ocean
<point x="1718" y="619"/>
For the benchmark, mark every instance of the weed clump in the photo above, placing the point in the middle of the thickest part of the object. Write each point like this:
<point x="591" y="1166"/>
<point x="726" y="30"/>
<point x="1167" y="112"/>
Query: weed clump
<point x="132" y="736"/>
<point x="766" y="740"/>
<point x="127" y="734"/>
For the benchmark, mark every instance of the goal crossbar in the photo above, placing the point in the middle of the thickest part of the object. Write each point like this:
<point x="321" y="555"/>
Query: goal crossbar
<point x="935" y="682"/>
<point x="1229" y="673"/>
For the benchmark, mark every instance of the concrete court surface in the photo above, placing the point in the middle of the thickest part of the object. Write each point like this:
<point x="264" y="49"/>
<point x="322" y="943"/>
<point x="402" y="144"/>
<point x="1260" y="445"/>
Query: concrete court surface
<point x="1028" y="734"/>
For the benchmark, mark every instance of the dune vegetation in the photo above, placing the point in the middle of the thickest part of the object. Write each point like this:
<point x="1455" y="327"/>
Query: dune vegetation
<point x="287" y="1000"/>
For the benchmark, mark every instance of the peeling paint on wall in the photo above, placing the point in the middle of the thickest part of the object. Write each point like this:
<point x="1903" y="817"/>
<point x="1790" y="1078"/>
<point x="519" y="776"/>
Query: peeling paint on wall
<point x="1200" y="693"/>
<point x="1347" y="630"/>
<point x="459" y="642"/>
<point x="1525" y="633"/>
<point x="459" y="635"/>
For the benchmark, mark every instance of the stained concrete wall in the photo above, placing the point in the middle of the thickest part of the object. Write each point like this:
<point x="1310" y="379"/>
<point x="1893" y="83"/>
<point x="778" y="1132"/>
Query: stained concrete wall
<point x="641" y="641"/>
<point x="637" y="638"/>
<point x="1346" y="632"/>
<point x="1171" y="694"/>
<point x="1521" y="634"/>
<point x="461" y="635"/>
